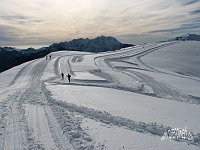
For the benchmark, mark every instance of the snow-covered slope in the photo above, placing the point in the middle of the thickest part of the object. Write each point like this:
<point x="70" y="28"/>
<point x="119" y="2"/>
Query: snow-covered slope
<point x="125" y="99"/>
<point x="181" y="59"/>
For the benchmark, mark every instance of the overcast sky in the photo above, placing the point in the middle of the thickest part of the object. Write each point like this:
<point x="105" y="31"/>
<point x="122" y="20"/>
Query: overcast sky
<point x="41" y="22"/>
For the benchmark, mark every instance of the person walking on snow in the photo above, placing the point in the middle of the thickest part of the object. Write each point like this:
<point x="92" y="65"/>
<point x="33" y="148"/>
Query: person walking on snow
<point x="69" y="76"/>
<point x="62" y="75"/>
<point x="49" y="57"/>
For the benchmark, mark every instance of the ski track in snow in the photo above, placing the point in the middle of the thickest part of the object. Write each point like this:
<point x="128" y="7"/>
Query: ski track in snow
<point x="37" y="119"/>
<point x="14" y="131"/>
<point x="160" y="90"/>
<point x="23" y="70"/>
<point x="26" y="120"/>
<point x="32" y="119"/>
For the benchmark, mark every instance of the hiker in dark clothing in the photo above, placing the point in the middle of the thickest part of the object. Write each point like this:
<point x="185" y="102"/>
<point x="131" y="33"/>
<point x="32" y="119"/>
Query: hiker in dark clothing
<point x="49" y="57"/>
<point x="69" y="76"/>
<point x="62" y="75"/>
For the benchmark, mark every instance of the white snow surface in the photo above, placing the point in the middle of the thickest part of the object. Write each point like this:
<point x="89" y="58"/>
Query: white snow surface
<point x="181" y="58"/>
<point x="130" y="105"/>
<point x="124" y="99"/>
<point x="111" y="138"/>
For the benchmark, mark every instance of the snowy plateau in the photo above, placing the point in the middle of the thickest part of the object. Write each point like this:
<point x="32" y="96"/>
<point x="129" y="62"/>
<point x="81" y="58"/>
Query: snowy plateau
<point x="117" y="100"/>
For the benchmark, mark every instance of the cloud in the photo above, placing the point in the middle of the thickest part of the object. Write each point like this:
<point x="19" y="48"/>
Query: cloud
<point x="142" y="38"/>
<point x="184" y="27"/>
<point x="10" y="36"/>
<point x="197" y="11"/>
<point x="189" y="2"/>
<point x="7" y="34"/>
<point x="19" y="19"/>
<point x="47" y="20"/>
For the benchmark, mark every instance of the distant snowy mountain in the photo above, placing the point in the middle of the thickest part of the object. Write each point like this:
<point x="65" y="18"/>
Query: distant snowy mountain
<point x="187" y="37"/>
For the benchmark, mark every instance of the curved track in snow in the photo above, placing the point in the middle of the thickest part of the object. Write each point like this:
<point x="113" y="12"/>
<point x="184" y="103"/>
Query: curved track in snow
<point x="27" y="118"/>
<point x="163" y="90"/>
<point x="123" y="79"/>
<point x="32" y="119"/>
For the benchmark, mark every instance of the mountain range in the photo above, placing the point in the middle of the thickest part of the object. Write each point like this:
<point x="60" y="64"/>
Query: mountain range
<point x="187" y="37"/>
<point x="10" y="57"/>
<point x="99" y="44"/>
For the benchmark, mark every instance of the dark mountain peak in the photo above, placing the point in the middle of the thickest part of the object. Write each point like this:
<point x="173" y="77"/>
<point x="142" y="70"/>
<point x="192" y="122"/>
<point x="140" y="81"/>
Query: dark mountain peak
<point x="28" y="50"/>
<point x="98" y="44"/>
<point x="106" y="38"/>
<point x="14" y="57"/>
<point x="80" y="40"/>
<point x="7" y="49"/>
